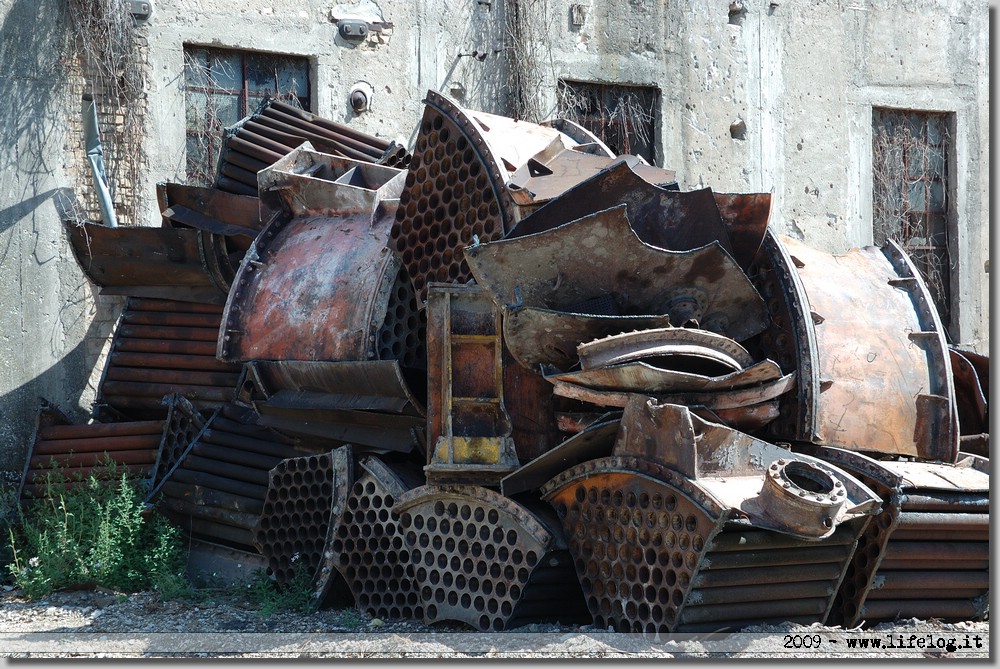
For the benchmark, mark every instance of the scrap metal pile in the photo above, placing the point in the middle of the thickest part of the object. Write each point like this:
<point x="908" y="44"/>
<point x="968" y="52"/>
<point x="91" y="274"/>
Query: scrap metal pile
<point x="525" y="379"/>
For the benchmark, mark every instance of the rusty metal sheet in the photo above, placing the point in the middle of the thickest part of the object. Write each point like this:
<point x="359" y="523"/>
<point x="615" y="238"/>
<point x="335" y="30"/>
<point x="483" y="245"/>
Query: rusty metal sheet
<point x="668" y="219"/>
<point x="663" y="342"/>
<point x="600" y="256"/>
<point x="316" y="287"/>
<point x="980" y="363"/>
<point x="580" y="135"/>
<point x="789" y="340"/>
<point x="596" y="441"/>
<point x="719" y="399"/>
<point x="239" y="211"/>
<point x="368" y="404"/>
<point x="973" y="411"/>
<point x="376" y="385"/>
<point x="145" y="262"/>
<point x="301" y="183"/>
<point x="213" y="562"/>
<point x="515" y="141"/>
<point x="537" y="336"/>
<point x="367" y="430"/>
<point x="750" y="418"/>
<point x="745" y="216"/>
<point x="642" y="377"/>
<point x="885" y="375"/>
<point x="543" y="178"/>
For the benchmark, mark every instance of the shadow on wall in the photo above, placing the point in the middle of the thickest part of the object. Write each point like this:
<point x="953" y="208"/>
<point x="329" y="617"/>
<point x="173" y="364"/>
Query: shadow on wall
<point x="42" y="302"/>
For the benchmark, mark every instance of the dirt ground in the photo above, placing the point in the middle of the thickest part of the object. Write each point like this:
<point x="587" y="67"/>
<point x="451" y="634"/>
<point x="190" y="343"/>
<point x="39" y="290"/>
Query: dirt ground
<point x="100" y="624"/>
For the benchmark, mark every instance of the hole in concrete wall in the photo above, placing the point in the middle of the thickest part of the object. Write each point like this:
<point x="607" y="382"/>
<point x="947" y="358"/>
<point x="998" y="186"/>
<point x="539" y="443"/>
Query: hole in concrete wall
<point x="737" y="13"/>
<point x="738" y="129"/>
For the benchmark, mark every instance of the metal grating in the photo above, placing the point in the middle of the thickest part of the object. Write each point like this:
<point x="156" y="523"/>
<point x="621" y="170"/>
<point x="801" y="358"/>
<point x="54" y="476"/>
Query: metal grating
<point x="454" y="192"/>
<point x="366" y="544"/>
<point x="295" y="518"/>
<point x="477" y="556"/>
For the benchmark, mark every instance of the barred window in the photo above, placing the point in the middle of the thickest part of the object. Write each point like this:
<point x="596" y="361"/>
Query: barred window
<point x="223" y="86"/>
<point x="911" y="187"/>
<point x="623" y="117"/>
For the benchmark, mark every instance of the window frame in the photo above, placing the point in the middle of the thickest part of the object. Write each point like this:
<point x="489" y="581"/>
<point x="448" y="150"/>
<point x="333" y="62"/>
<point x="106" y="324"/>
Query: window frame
<point x="600" y="93"/>
<point x="247" y="99"/>
<point x="913" y="223"/>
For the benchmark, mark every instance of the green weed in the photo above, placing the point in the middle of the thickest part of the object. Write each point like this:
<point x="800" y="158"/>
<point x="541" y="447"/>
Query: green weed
<point x="96" y="534"/>
<point x="268" y="597"/>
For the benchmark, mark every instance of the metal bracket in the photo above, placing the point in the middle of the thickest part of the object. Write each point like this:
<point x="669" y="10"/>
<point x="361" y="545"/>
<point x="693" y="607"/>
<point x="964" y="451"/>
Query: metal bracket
<point x="141" y="10"/>
<point x="353" y="29"/>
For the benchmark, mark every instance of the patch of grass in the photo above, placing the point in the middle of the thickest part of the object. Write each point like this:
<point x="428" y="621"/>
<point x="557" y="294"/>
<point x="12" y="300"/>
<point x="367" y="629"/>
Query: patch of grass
<point x="269" y="597"/>
<point x="96" y="534"/>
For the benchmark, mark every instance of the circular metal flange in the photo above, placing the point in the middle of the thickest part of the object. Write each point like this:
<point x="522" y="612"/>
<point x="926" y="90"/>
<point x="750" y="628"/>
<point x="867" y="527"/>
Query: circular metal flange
<point x="802" y="497"/>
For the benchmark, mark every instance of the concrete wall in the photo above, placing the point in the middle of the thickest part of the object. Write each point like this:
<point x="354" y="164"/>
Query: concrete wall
<point x="52" y="326"/>
<point x="802" y="77"/>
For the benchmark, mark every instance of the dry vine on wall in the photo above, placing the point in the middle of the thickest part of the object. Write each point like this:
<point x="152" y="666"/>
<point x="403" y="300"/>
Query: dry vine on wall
<point x="910" y="194"/>
<point x="526" y="44"/>
<point x="110" y="55"/>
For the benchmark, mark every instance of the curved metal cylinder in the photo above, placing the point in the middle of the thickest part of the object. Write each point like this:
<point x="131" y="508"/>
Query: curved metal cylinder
<point x="888" y="362"/>
<point x="317" y="286"/>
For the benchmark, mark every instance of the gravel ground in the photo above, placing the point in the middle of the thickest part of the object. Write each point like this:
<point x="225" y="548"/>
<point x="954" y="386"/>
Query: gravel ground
<point x="223" y="624"/>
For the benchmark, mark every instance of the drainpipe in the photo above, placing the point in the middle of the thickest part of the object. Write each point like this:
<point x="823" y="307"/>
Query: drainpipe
<point x="92" y="142"/>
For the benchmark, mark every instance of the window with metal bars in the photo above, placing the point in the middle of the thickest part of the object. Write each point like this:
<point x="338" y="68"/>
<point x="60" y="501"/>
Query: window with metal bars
<point x="223" y="86"/>
<point x="911" y="189"/>
<point x="623" y="117"/>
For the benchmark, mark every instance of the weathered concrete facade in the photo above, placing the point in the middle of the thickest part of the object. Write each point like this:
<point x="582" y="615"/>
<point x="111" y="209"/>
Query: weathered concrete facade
<point x="802" y="78"/>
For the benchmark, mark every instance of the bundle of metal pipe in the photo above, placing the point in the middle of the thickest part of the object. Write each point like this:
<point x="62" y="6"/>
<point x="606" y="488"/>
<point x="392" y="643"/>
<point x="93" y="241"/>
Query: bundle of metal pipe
<point x="64" y="455"/>
<point x="216" y="490"/>
<point x="276" y="128"/>
<point x="161" y="347"/>
<point x="926" y="555"/>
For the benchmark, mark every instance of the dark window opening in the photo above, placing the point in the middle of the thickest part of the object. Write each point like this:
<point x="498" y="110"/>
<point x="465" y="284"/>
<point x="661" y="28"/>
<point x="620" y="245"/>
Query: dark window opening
<point x="623" y="117"/>
<point x="911" y="189"/>
<point x="223" y="86"/>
